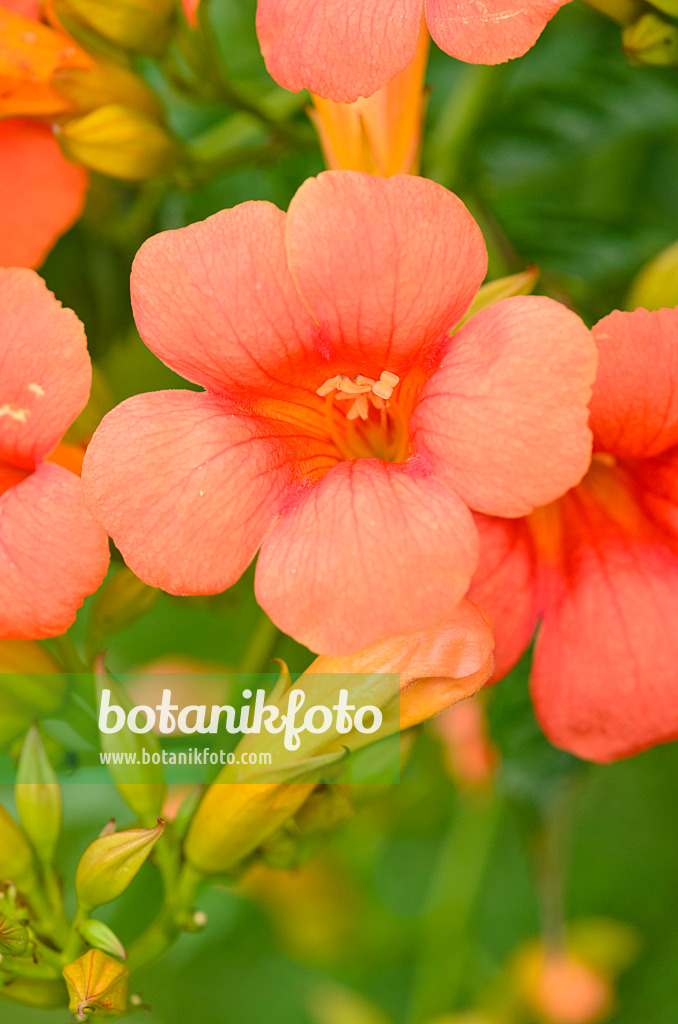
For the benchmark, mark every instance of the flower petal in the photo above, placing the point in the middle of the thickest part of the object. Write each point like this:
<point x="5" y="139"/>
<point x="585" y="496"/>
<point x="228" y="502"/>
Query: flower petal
<point x="45" y="371"/>
<point x="504" y="419"/>
<point x="370" y="552"/>
<point x="604" y="670"/>
<point x="634" y="410"/>
<point x="339" y="49"/>
<point x="490" y="32"/>
<point x="186" y="490"/>
<point x="438" y="666"/>
<point x="386" y="266"/>
<point x="41" y="194"/>
<point x="52" y="554"/>
<point x="26" y="8"/>
<point x="216" y="302"/>
<point x="504" y="586"/>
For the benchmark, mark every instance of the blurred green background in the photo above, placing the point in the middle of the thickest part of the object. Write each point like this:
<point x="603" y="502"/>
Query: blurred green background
<point x="569" y="159"/>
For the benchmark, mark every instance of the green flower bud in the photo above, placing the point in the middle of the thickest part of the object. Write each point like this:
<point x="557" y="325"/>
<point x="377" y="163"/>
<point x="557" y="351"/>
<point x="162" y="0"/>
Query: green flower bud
<point x="38" y="797"/>
<point x="97" y="934"/>
<point x="37" y="992"/>
<point x="503" y="288"/>
<point x="16" y="859"/>
<point x="109" y="864"/>
<point x="120" y="142"/>
<point x="132" y="24"/>
<point x="97" y="985"/>
<point x="142" y="786"/>
<point x="651" y="42"/>
<point x="30" y="677"/>
<point x="13" y="937"/>
<point x="655" y="286"/>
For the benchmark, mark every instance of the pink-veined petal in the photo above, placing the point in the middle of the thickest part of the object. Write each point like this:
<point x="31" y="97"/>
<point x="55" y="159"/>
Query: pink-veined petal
<point x="369" y="552"/>
<point x="488" y="31"/>
<point x="216" y="302"/>
<point x="186" y="489"/>
<point x="339" y="49"/>
<point x="504" y="418"/>
<point x="504" y="585"/>
<point x="41" y="193"/>
<point x="386" y="266"/>
<point x="52" y="554"/>
<point x="634" y="410"/>
<point x="45" y="371"/>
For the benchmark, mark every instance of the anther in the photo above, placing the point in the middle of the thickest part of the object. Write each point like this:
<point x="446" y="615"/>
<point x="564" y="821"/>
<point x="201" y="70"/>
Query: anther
<point x="328" y="386"/>
<point x="382" y="390"/>
<point x="391" y="379"/>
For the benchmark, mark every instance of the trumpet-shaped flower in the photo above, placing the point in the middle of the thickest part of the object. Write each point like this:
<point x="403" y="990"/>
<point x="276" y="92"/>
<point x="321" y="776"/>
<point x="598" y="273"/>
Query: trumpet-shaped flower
<point x="343" y="430"/>
<point x="52" y="553"/>
<point x="344" y="49"/>
<point x="599" y="567"/>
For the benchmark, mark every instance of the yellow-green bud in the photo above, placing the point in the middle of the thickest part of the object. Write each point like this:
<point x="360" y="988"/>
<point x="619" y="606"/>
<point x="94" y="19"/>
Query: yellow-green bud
<point x="669" y="7"/>
<point x="98" y="986"/>
<point x="651" y="42"/>
<point x="38" y="797"/>
<point x="109" y="864"/>
<point x="97" y="934"/>
<point x="503" y="288"/>
<point x="232" y="820"/>
<point x="106" y="81"/>
<point x="120" y="142"/>
<point x="13" y="937"/>
<point x="131" y="24"/>
<point x="37" y="992"/>
<point x="142" y="786"/>
<point x="31" y="677"/>
<point x="16" y="859"/>
<point x="655" y="286"/>
<point x="118" y="603"/>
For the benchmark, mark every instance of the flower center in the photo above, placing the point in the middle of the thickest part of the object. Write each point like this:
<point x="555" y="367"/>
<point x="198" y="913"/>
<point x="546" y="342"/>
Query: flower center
<point x="369" y="422"/>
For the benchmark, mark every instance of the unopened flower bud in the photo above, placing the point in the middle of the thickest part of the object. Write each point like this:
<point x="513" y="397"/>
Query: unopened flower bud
<point x="560" y="988"/>
<point x="31" y="677"/>
<point x="651" y="42"/>
<point x="41" y="993"/>
<point x="655" y="286"/>
<point x="109" y="864"/>
<point x="121" y="600"/>
<point x="97" y="985"/>
<point x="97" y="934"/>
<point x="38" y="797"/>
<point x="13" y="937"/>
<point x="233" y="820"/>
<point x="139" y="25"/>
<point x="16" y="859"/>
<point x="105" y="82"/>
<point x="142" y="786"/>
<point x="118" y="141"/>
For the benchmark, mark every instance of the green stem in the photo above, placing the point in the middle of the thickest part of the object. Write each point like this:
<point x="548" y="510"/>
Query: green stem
<point x="168" y="925"/>
<point x="48" y="922"/>
<point x="25" y="968"/>
<point x="260" y="647"/>
<point x="447" y="144"/>
<point x="442" y="945"/>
